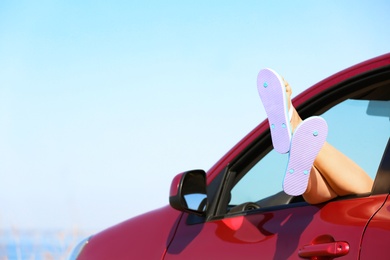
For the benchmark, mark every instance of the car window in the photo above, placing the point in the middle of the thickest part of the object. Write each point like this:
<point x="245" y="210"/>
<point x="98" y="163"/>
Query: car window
<point x="358" y="128"/>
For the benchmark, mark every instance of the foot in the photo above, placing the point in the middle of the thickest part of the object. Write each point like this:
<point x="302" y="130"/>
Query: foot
<point x="276" y="101"/>
<point x="306" y="143"/>
<point x="294" y="117"/>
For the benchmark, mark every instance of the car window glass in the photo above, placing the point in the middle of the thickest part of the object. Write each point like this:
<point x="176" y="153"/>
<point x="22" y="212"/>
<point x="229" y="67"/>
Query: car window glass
<point x="358" y="128"/>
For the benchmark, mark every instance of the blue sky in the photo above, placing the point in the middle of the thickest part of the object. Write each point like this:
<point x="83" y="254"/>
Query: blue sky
<point x="102" y="103"/>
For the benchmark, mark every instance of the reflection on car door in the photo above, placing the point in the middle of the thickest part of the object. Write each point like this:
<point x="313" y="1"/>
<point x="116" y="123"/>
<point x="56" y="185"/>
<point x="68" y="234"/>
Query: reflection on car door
<point x="290" y="233"/>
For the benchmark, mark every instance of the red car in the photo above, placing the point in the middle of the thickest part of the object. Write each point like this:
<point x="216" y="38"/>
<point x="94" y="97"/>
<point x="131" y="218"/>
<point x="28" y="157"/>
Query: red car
<point x="237" y="209"/>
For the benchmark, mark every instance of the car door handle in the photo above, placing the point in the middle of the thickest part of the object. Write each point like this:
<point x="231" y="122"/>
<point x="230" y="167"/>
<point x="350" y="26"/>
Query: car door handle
<point x="333" y="249"/>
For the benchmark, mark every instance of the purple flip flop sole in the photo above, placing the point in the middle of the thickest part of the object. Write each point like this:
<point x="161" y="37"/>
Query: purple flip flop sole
<point x="306" y="142"/>
<point x="273" y="96"/>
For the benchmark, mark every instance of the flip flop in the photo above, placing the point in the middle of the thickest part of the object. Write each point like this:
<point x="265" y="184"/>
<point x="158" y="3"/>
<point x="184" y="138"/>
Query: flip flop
<point x="306" y="143"/>
<point x="272" y="92"/>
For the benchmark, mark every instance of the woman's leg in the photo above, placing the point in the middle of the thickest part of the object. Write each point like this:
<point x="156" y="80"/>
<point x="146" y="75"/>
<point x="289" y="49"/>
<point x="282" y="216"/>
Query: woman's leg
<point x="343" y="175"/>
<point x="318" y="189"/>
<point x="333" y="173"/>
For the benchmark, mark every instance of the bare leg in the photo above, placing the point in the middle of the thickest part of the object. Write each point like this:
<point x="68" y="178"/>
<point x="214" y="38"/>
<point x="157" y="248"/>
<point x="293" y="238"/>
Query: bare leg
<point x="343" y="175"/>
<point x="318" y="190"/>
<point x="333" y="173"/>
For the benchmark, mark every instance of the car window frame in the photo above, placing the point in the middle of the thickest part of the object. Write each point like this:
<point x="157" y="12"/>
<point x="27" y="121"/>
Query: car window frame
<point x="361" y="86"/>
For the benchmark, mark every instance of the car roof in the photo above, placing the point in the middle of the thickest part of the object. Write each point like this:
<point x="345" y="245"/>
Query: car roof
<point x="336" y="85"/>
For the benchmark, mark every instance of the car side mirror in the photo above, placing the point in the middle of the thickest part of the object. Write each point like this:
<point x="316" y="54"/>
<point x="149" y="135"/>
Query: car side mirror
<point x="188" y="192"/>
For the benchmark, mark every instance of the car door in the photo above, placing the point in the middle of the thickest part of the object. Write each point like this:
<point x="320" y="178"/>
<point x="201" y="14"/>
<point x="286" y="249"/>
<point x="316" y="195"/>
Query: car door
<point x="377" y="234"/>
<point x="331" y="230"/>
<point x="255" y="220"/>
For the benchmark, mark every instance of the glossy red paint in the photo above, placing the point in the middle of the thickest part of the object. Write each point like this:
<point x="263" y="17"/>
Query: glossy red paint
<point x="377" y="235"/>
<point x="261" y="235"/>
<point x="324" y="247"/>
<point x="175" y="184"/>
<point x="144" y="237"/>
